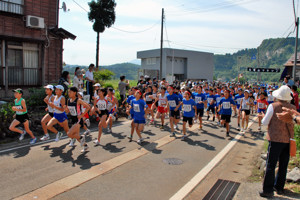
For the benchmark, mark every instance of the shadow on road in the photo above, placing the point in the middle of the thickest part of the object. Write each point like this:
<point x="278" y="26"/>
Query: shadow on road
<point x="213" y="135"/>
<point x="112" y="148"/>
<point x="151" y="147"/>
<point x="18" y="153"/>
<point x="200" y="143"/>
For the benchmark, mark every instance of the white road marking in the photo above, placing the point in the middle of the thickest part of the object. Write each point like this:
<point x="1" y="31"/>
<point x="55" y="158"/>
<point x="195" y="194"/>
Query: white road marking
<point x="189" y="186"/>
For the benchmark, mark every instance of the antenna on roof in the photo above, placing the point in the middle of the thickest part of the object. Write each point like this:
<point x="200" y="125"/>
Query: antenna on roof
<point x="64" y="7"/>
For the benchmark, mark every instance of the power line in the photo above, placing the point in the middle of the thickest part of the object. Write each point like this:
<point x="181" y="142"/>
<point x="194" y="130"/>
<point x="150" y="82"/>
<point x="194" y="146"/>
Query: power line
<point x="119" y="28"/>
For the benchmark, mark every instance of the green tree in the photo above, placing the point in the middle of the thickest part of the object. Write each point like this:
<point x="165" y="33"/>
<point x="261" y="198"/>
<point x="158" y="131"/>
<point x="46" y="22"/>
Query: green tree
<point x="102" y="13"/>
<point x="103" y="75"/>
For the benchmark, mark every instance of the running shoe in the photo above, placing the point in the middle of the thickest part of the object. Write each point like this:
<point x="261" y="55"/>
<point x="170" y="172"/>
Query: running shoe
<point x="242" y="130"/>
<point x="195" y="121"/>
<point x="72" y="142"/>
<point x="45" y="137"/>
<point x="227" y="134"/>
<point x="213" y="118"/>
<point x="109" y="130"/>
<point x="130" y="138"/>
<point x="58" y="136"/>
<point x="259" y="128"/>
<point x="87" y="122"/>
<point x="82" y="140"/>
<point x="33" y="141"/>
<point x="96" y="142"/>
<point x="152" y="121"/>
<point x="207" y="118"/>
<point x="219" y="124"/>
<point x="22" y="135"/>
<point x="140" y="140"/>
<point x="173" y="134"/>
<point x="183" y="137"/>
<point x="161" y="127"/>
<point x="177" y="128"/>
<point x="200" y="127"/>
<point x="88" y="131"/>
<point x="85" y="148"/>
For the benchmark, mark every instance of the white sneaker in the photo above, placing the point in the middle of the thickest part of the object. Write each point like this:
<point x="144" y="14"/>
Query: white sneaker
<point x="96" y="142"/>
<point x="85" y="148"/>
<point x="45" y="137"/>
<point x="242" y="130"/>
<point x="72" y="142"/>
<point x="109" y="130"/>
<point x="88" y="131"/>
<point x="140" y="140"/>
<point x="58" y="136"/>
<point x="176" y="127"/>
<point x="22" y="135"/>
<point x="87" y="122"/>
<point x="259" y="128"/>
<point x="82" y="140"/>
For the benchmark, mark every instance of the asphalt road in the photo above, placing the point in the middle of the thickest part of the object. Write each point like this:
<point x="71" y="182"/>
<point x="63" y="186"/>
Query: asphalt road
<point x="27" y="169"/>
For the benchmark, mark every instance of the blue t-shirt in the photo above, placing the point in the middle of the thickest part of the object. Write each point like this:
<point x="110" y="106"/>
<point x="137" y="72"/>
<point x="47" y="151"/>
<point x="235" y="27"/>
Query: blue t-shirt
<point x="138" y="108"/>
<point x="129" y="100"/>
<point x="180" y="99"/>
<point x="209" y="100"/>
<point x="226" y="106"/>
<point x="188" y="109"/>
<point x="198" y="98"/>
<point x="238" y="99"/>
<point x="218" y="99"/>
<point x="173" y="100"/>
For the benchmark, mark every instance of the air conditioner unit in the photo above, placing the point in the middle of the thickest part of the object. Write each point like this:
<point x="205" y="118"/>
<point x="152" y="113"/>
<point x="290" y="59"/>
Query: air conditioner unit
<point x="35" y="22"/>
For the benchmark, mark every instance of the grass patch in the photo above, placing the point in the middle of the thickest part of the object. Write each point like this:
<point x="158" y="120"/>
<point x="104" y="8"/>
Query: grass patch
<point x="256" y="175"/>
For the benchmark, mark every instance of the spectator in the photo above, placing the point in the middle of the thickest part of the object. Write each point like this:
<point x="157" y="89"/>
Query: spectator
<point x="295" y="97"/>
<point x="122" y="87"/>
<point x="89" y="76"/>
<point x="64" y="81"/>
<point x="278" y="135"/>
<point x="78" y="80"/>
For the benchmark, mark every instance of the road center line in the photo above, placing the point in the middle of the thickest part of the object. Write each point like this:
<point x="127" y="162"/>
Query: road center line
<point x="189" y="186"/>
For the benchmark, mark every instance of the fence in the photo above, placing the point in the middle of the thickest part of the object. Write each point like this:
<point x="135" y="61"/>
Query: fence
<point x="18" y="76"/>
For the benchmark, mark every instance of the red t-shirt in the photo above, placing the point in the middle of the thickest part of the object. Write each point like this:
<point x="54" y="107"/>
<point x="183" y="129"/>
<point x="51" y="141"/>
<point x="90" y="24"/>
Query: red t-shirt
<point x="296" y="99"/>
<point x="262" y="104"/>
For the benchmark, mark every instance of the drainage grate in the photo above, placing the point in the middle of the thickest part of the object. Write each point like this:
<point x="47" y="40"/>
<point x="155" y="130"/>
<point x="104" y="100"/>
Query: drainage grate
<point x="173" y="161"/>
<point x="222" y="190"/>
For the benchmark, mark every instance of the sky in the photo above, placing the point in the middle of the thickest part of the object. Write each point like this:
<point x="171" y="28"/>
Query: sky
<point x="216" y="26"/>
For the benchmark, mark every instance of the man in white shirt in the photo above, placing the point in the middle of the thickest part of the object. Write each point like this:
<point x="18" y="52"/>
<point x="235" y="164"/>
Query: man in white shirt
<point x="78" y="81"/>
<point x="89" y="76"/>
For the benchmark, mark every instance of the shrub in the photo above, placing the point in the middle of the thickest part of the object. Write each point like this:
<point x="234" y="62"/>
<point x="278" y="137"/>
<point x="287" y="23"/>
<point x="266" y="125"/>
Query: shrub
<point x="36" y="97"/>
<point x="6" y="117"/>
<point x="297" y="136"/>
<point x="103" y="74"/>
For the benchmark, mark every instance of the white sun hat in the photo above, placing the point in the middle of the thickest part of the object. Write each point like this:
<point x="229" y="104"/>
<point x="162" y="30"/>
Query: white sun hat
<point x="283" y="93"/>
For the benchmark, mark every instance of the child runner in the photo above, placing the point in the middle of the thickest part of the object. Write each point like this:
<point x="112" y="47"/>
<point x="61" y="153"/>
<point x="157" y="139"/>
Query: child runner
<point x="86" y="117"/>
<point x="48" y="99"/>
<point x="177" y="91"/>
<point x="21" y="116"/>
<point x="189" y="111"/>
<point x="74" y="108"/>
<point x="211" y="99"/>
<point x="261" y="105"/>
<point x="270" y="97"/>
<point x="200" y="100"/>
<point x="245" y="109"/>
<point x="95" y="97"/>
<point x="225" y="110"/>
<point x="148" y="97"/>
<point x="218" y="96"/>
<point x="59" y="116"/>
<point x="173" y="105"/>
<point x="112" y="108"/>
<point x="101" y="108"/>
<point x="139" y="109"/>
<point x="130" y="111"/>
<point x="162" y="106"/>
<point x="237" y="100"/>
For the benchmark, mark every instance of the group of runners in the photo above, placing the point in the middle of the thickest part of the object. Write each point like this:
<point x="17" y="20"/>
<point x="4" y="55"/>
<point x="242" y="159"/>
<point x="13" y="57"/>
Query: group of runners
<point x="144" y="104"/>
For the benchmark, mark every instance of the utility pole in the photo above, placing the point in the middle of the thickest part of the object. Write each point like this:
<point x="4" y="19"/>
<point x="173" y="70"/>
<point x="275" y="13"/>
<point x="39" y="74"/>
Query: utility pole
<point x="161" y="43"/>
<point x="296" y="46"/>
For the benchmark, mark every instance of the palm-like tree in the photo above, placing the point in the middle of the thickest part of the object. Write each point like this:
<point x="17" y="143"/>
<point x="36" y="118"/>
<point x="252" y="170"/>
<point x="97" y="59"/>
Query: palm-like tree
<point x="102" y="13"/>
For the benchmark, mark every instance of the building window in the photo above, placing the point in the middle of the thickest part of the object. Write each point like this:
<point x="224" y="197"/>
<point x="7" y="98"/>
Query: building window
<point x="12" y="6"/>
<point x="23" y="64"/>
<point x="151" y="61"/>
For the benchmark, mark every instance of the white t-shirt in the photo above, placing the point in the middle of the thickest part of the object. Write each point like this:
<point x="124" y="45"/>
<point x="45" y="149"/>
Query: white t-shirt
<point x="77" y="83"/>
<point x="89" y="75"/>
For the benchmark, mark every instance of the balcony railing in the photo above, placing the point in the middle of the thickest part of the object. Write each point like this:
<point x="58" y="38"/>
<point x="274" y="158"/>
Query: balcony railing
<point x="15" y="7"/>
<point x="18" y="76"/>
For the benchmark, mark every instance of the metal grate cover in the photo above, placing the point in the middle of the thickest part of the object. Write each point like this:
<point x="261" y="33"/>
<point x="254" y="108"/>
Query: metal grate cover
<point x="222" y="190"/>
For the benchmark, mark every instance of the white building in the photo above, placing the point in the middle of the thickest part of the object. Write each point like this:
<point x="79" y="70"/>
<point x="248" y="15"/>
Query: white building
<point x="186" y="64"/>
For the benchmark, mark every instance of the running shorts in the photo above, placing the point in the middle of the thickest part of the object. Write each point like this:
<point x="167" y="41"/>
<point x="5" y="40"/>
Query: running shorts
<point x="60" y="117"/>
<point x="188" y="119"/>
<point x="22" y="118"/>
<point x="226" y="118"/>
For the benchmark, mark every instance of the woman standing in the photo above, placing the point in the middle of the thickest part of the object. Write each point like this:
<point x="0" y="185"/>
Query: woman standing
<point x="279" y="134"/>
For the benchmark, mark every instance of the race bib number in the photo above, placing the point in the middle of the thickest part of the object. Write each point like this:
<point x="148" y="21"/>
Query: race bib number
<point x="209" y="100"/>
<point x="187" y="108"/>
<point x="162" y="103"/>
<point x="219" y="99"/>
<point x="198" y="99"/>
<point x="19" y="107"/>
<point x="86" y="98"/>
<point x="101" y="105"/>
<point x="226" y="105"/>
<point x="72" y="110"/>
<point x="148" y="98"/>
<point x="136" y="108"/>
<point x="246" y="107"/>
<point x="261" y="105"/>
<point x="172" y="103"/>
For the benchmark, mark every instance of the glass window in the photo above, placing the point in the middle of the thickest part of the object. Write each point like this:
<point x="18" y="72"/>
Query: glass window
<point x="12" y="6"/>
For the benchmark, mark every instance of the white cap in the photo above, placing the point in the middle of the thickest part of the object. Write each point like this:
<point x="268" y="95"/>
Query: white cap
<point x="97" y="85"/>
<point x="60" y="87"/>
<point x="49" y="87"/>
<point x="80" y="93"/>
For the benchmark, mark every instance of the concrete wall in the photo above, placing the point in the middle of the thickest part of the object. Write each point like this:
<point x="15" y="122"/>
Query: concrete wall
<point x="197" y="65"/>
